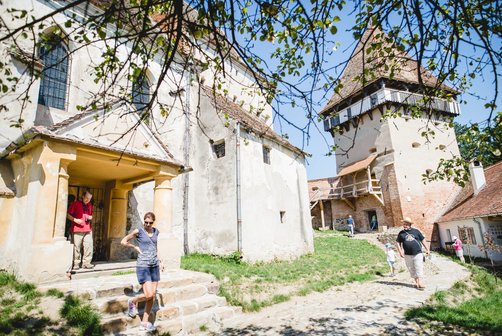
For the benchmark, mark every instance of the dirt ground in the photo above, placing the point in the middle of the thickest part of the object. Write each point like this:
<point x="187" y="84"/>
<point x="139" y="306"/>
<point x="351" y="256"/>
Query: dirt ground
<point x="370" y="308"/>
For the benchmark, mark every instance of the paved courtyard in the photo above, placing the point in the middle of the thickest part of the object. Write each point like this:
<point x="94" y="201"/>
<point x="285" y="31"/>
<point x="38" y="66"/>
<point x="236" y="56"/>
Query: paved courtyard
<point x="370" y="308"/>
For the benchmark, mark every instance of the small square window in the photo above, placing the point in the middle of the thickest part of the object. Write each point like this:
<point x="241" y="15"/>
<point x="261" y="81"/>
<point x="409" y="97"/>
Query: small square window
<point x="373" y="100"/>
<point x="282" y="214"/>
<point x="219" y="149"/>
<point x="266" y="154"/>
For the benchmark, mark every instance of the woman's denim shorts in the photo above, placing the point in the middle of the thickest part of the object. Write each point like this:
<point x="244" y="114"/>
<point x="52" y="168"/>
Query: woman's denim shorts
<point x="148" y="274"/>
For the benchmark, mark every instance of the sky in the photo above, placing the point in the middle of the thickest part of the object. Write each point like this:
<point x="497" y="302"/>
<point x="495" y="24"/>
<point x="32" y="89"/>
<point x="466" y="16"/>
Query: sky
<point x="320" y="165"/>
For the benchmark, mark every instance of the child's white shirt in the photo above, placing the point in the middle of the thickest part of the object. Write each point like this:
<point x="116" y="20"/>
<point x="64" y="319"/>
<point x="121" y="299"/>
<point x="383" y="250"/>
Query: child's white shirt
<point x="391" y="255"/>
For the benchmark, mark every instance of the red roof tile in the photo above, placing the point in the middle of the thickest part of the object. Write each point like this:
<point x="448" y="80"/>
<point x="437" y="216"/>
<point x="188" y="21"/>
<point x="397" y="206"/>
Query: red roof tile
<point x="237" y="113"/>
<point x="486" y="203"/>
<point x="377" y="62"/>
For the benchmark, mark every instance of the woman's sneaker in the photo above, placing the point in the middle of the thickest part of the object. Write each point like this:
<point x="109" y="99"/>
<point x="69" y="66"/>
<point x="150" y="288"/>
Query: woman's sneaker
<point x="147" y="326"/>
<point x="132" y="311"/>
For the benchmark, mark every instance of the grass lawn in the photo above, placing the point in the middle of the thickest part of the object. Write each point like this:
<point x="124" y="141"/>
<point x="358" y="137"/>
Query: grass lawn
<point x="337" y="260"/>
<point x="474" y="305"/>
<point x="22" y="311"/>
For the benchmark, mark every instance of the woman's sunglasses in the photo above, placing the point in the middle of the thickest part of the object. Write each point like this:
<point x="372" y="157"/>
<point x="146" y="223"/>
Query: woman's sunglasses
<point x="147" y="222"/>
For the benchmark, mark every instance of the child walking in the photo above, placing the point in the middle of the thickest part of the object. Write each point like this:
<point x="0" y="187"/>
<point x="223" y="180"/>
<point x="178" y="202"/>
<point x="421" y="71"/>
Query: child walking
<point x="391" y="258"/>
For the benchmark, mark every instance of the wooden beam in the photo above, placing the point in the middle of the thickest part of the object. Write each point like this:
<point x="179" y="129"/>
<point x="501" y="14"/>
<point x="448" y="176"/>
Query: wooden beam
<point x="349" y="203"/>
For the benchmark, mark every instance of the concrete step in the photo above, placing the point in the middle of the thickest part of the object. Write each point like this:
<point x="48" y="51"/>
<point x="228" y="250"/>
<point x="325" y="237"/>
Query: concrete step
<point x="210" y="319"/>
<point x="118" y="304"/>
<point x="185" y="299"/>
<point x="119" y="321"/>
<point x="107" y="285"/>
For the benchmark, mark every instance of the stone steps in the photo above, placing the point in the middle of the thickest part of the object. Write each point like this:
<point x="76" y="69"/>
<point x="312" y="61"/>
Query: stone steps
<point x="184" y="302"/>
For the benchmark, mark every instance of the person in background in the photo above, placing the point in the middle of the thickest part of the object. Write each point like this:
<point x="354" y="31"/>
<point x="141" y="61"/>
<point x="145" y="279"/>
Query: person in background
<point x="148" y="268"/>
<point x="409" y="243"/>
<point x="391" y="258"/>
<point x="350" y="223"/>
<point x="374" y="223"/>
<point x="80" y="214"/>
<point x="457" y="245"/>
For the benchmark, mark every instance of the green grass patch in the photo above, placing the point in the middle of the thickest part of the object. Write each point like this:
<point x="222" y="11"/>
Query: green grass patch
<point x="21" y="313"/>
<point x="81" y="316"/>
<point x="19" y="307"/>
<point x="337" y="260"/>
<point x="481" y="311"/>
<point x="123" y="272"/>
<point x="55" y="293"/>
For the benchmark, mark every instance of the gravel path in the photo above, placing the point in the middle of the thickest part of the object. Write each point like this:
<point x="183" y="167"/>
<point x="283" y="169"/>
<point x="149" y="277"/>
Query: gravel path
<point x="370" y="308"/>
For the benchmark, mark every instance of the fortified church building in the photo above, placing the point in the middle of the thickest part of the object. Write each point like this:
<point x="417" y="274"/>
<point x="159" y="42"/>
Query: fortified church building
<point x="377" y="121"/>
<point x="243" y="187"/>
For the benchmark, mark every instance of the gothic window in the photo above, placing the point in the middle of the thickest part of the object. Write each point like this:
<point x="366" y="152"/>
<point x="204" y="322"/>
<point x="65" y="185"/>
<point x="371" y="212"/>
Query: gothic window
<point x="54" y="77"/>
<point x="141" y="93"/>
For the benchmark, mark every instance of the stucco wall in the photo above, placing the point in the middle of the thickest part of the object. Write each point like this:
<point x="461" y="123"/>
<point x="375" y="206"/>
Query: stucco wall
<point x="413" y="156"/>
<point x="211" y="200"/>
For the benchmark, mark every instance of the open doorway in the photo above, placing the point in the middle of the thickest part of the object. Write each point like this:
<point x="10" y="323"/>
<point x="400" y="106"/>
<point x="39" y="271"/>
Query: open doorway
<point x="372" y="220"/>
<point x="98" y="227"/>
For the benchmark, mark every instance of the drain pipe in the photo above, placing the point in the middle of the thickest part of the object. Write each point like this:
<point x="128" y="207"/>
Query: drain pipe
<point x="482" y="236"/>
<point x="238" y="184"/>
<point x="186" y="159"/>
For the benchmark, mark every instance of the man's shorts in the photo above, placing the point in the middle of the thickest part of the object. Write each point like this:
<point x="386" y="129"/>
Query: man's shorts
<point x="148" y="274"/>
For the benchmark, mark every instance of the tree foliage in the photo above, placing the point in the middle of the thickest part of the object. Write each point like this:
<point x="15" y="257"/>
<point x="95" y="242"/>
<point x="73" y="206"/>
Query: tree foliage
<point x="286" y="45"/>
<point x="477" y="142"/>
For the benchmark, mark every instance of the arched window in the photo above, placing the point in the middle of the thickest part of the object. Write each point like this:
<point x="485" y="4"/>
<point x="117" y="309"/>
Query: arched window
<point x="141" y="93"/>
<point x="54" y="56"/>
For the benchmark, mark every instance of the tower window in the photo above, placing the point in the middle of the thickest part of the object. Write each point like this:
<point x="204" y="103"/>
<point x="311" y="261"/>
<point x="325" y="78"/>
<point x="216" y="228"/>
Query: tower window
<point x="266" y="154"/>
<point x="54" y="56"/>
<point x="349" y="112"/>
<point x="373" y="99"/>
<point x="219" y="149"/>
<point x="282" y="215"/>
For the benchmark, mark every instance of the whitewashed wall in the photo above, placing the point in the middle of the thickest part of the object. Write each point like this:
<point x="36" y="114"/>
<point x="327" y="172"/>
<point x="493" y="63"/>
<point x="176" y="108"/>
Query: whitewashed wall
<point x="484" y="225"/>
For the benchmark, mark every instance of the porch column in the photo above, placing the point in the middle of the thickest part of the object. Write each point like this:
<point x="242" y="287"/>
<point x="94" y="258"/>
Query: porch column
<point x="170" y="247"/>
<point x="62" y="201"/>
<point x="118" y="222"/>
<point x="321" y="206"/>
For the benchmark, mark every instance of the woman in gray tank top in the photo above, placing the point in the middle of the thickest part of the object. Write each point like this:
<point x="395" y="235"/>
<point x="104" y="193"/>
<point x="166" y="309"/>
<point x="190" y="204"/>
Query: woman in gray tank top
<point x="148" y="267"/>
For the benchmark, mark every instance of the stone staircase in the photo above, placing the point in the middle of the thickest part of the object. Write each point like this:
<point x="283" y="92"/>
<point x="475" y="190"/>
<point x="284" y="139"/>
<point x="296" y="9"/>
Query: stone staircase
<point x="186" y="301"/>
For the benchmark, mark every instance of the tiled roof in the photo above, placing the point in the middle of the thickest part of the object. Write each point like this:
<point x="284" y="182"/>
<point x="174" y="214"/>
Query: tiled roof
<point x="52" y="132"/>
<point x="486" y="203"/>
<point x="358" y="165"/>
<point x="237" y="113"/>
<point x="376" y="62"/>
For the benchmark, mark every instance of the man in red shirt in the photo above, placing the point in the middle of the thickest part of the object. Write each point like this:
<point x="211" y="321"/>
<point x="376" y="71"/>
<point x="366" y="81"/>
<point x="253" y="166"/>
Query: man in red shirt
<point x="80" y="214"/>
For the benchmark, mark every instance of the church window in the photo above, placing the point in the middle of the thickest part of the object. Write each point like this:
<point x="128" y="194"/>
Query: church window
<point x="53" y="85"/>
<point x="141" y="93"/>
